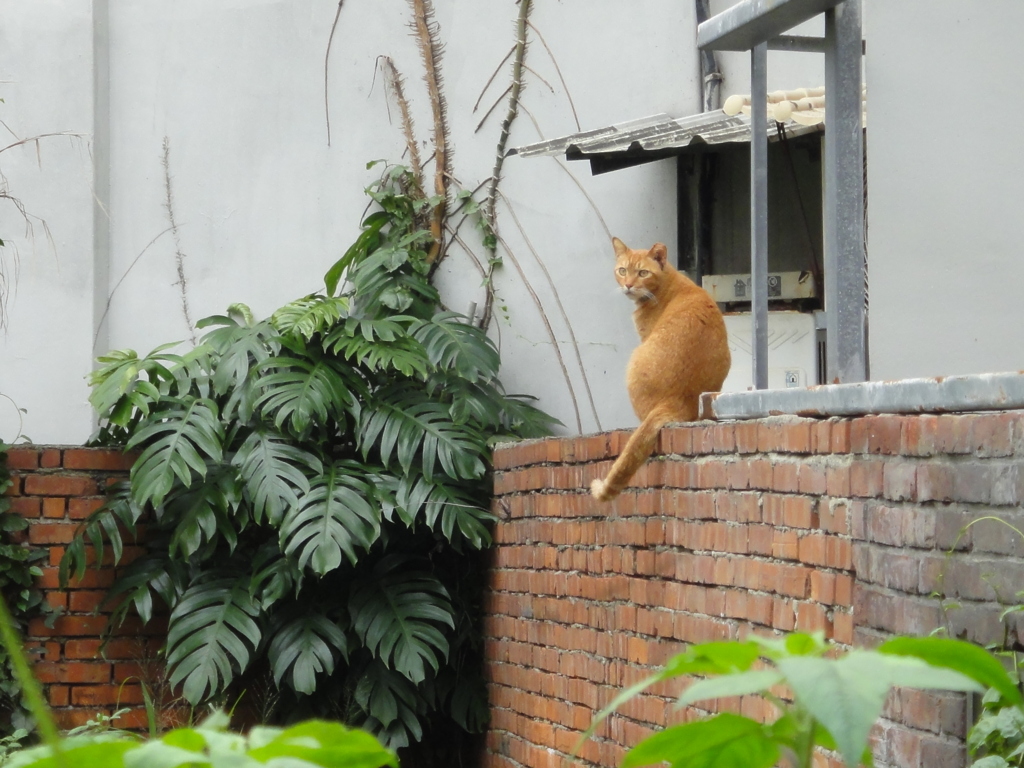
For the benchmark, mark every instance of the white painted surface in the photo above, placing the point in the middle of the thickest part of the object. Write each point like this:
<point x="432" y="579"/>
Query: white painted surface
<point x="265" y="206"/>
<point x="945" y="182"/>
<point x="46" y="66"/>
<point x="792" y="351"/>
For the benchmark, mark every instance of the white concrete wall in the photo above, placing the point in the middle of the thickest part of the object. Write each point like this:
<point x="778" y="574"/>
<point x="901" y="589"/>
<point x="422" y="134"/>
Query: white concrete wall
<point x="264" y="205"/>
<point x="946" y="185"/>
<point x="47" y="68"/>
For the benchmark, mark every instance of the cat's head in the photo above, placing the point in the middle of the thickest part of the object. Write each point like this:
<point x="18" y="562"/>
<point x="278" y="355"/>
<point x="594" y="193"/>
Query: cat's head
<point x="639" y="272"/>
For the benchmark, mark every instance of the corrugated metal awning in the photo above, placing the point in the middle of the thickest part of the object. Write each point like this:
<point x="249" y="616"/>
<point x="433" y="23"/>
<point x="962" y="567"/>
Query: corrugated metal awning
<point x="653" y="138"/>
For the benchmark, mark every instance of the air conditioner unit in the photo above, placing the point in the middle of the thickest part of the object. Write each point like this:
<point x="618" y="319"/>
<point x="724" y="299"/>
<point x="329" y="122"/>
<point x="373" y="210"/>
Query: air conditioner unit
<point x="792" y="351"/>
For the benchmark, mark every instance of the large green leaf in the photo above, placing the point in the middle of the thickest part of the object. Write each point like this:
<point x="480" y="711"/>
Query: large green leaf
<point x="205" y="513"/>
<point x="211" y="636"/>
<point x="310" y="315"/>
<point x="405" y="423"/>
<point x="177" y="440"/>
<point x="153" y="574"/>
<point x="272" y="469"/>
<point x="391" y="702"/>
<point x="325" y="744"/>
<point x="445" y="507"/>
<point x="238" y="349"/>
<point x="453" y="344"/>
<point x="275" y="575"/>
<point x="396" y="611"/>
<point x="966" y="658"/>
<point x="302" y="392"/>
<point x="304" y="646"/>
<point x="334" y="519"/>
<point x="379" y="344"/>
<point x="118" y="388"/>
<point x="724" y="741"/>
<point x="736" y="684"/>
<point x="102" y="527"/>
<point x="367" y="241"/>
<point x="846" y="695"/>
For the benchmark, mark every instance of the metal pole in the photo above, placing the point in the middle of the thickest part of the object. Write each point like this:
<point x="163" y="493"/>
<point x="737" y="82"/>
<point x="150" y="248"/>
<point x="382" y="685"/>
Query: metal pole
<point x="844" y="197"/>
<point x="759" y="210"/>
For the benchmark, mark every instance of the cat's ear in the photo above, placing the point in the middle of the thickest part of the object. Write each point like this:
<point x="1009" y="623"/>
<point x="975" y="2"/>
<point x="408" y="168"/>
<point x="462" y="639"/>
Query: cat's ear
<point x="659" y="253"/>
<point x="619" y="246"/>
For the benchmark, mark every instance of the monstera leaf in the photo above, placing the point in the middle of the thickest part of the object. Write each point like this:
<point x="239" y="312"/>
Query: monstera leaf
<point x="211" y="636"/>
<point x="391" y="703"/>
<point x="454" y="344"/>
<point x="445" y="508"/>
<point x="206" y="512"/>
<point x="405" y="421"/>
<point x="379" y="344"/>
<point x="154" y="574"/>
<point x="300" y="392"/>
<point x="102" y="527"/>
<point x="396" y="611"/>
<point x="310" y="315"/>
<point x="304" y="647"/>
<point x="274" y="472"/>
<point x="238" y="348"/>
<point x="177" y="440"/>
<point x="331" y="521"/>
<point x="118" y="389"/>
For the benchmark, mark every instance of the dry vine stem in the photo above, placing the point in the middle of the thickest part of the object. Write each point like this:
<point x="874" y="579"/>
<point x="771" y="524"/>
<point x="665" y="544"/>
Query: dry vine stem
<point x="425" y="31"/>
<point x="489" y="208"/>
<point x="396" y="84"/>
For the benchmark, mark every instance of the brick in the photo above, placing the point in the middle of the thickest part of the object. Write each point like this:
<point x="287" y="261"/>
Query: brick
<point x="51" y="533"/>
<point x="745" y="436"/>
<point x="866" y="478"/>
<point x="99" y="695"/>
<point x="22" y="458"/>
<point x="934" y="482"/>
<point x="58" y="695"/>
<point x="919" y="435"/>
<point x="26" y="506"/>
<point x="992" y="434"/>
<point x="812" y="479"/>
<point x="953" y="434"/>
<point x="85" y="601"/>
<point x="899" y="480"/>
<point x="72" y="672"/>
<point x="101" y="459"/>
<point x="840" y="438"/>
<point x="49" y="458"/>
<point x="811" y="549"/>
<point x="60" y="485"/>
<point x="784" y="477"/>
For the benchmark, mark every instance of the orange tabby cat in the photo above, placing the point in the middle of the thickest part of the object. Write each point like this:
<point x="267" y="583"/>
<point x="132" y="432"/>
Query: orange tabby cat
<point x="683" y="352"/>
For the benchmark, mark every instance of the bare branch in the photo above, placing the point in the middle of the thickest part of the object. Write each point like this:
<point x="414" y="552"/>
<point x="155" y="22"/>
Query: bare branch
<point x="547" y="325"/>
<point x="561" y="308"/>
<point x="490" y="80"/>
<point x="327" y="57"/>
<point x="179" y="257"/>
<point x="494" y="106"/>
<point x="554" y="61"/>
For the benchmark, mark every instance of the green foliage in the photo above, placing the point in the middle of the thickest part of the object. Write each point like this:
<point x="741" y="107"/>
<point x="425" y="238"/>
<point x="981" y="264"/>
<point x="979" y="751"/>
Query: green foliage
<point x="18" y="571"/>
<point x="311" y="744"/>
<point x="317" y="485"/>
<point x="836" y="698"/>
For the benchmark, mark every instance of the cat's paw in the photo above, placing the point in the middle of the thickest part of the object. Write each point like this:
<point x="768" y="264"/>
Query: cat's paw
<point x="599" y="490"/>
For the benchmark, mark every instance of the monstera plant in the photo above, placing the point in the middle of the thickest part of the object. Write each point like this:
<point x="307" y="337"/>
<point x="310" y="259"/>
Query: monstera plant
<point x="315" y="490"/>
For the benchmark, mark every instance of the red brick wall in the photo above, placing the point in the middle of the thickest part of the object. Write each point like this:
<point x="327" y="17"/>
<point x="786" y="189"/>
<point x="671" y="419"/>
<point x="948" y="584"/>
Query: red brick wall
<point x="55" y="489"/>
<point x="777" y="524"/>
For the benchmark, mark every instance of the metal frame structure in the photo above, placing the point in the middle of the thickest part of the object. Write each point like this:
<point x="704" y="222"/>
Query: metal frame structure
<point x="757" y="26"/>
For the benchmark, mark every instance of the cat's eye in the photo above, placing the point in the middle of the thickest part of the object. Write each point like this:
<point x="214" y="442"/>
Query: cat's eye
<point x="645" y="273"/>
<point x="621" y="270"/>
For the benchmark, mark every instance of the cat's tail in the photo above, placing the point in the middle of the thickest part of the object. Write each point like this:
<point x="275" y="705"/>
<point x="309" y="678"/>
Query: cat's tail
<point x="638" y="448"/>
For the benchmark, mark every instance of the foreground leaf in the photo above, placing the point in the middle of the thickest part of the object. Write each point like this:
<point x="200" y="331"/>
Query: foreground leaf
<point x="724" y="741"/>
